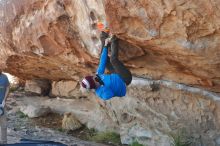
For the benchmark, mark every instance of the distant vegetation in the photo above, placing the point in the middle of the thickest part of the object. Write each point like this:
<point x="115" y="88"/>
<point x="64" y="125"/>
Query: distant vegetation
<point x="135" y="143"/>
<point x="106" y="137"/>
<point x="21" y="114"/>
<point x="180" y="139"/>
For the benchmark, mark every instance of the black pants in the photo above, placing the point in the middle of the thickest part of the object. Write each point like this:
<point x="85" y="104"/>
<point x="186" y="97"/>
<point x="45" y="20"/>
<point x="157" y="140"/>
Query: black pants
<point x="114" y="65"/>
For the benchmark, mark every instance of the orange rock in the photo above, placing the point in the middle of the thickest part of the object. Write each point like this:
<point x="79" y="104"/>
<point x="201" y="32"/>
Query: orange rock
<point x="57" y="40"/>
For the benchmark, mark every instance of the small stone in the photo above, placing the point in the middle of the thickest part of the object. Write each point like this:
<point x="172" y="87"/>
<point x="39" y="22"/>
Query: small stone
<point x="33" y="111"/>
<point x="70" y="122"/>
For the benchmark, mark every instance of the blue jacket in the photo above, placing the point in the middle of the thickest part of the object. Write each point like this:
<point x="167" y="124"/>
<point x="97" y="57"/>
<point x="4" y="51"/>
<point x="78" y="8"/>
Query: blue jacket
<point x="113" y="83"/>
<point x="4" y="83"/>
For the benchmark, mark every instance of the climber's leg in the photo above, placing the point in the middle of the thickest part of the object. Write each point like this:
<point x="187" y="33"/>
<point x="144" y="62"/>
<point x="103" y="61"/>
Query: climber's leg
<point x="4" y="90"/>
<point x="103" y="36"/>
<point x="117" y="64"/>
<point x="3" y="127"/>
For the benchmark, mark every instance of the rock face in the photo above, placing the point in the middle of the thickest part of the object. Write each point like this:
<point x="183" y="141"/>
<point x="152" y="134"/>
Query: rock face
<point x="49" y="39"/>
<point x="180" y="38"/>
<point x="34" y="111"/>
<point x="56" y="39"/>
<point x="40" y="87"/>
<point x="151" y="112"/>
<point x="64" y="88"/>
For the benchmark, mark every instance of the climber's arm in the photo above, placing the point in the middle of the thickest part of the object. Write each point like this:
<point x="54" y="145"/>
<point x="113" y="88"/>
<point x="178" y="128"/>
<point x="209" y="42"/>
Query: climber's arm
<point x="6" y="94"/>
<point x="4" y="89"/>
<point x="103" y="59"/>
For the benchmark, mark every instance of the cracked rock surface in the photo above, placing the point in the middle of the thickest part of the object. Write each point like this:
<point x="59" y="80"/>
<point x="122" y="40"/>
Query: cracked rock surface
<point x="58" y="39"/>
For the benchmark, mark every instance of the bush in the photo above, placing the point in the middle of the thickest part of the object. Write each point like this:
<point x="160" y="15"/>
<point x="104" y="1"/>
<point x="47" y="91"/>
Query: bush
<point x="136" y="144"/>
<point x="21" y="114"/>
<point x="180" y="139"/>
<point x="107" y="137"/>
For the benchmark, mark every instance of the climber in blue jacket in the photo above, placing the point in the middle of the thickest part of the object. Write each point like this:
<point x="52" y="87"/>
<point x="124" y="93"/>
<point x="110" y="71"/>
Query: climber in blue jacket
<point x="4" y="89"/>
<point x="109" y="85"/>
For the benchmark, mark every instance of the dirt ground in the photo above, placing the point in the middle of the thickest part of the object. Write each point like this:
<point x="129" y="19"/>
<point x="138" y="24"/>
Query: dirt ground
<point x="42" y="128"/>
<point x="54" y="121"/>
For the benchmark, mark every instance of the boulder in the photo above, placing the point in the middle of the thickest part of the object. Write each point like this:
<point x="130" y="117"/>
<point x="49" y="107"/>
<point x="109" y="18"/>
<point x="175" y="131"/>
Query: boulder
<point x="70" y="122"/>
<point x="34" y="111"/>
<point x="40" y="87"/>
<point x="64" y="88"/>
<point x="58" y="40"/>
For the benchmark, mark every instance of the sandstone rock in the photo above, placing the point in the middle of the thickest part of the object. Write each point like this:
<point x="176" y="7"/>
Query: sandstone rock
<point x="40" y="87"/>
<point x="52" y="37"/>
<point x="58" y="40"/>
<point x="167" y="40"/>
<point x="143" y="136"/>
<point x="170" y="34"/>
<point x="70" y="122"/>
<point x="146" y="115"/>
<point x="34" y="111"/>
<point x="64" y="88"/>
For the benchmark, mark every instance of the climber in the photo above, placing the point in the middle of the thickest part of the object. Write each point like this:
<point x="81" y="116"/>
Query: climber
<point x="4" y="90"/>
<point x="109" y="85"/>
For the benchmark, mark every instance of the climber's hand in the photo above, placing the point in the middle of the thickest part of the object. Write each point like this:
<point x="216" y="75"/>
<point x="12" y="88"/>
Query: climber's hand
<point x="107" y="41"/>
<point x="110" y="35"/>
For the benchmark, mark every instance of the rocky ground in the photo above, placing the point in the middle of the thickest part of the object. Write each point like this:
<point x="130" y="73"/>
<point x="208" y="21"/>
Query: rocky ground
<point x="151" y="113"/>
<point x="20" y="126"/>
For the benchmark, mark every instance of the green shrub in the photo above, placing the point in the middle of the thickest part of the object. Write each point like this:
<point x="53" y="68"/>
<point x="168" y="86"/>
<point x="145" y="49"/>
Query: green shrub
<point x="180" y="139"/>
<point x="12" y="89"/>
<point x="60" y="130"/>
<point x="135" y="143"/>
<point x="92" y="132"/>
<point x="107" y="137"/>
<point x="21" y="114"/>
